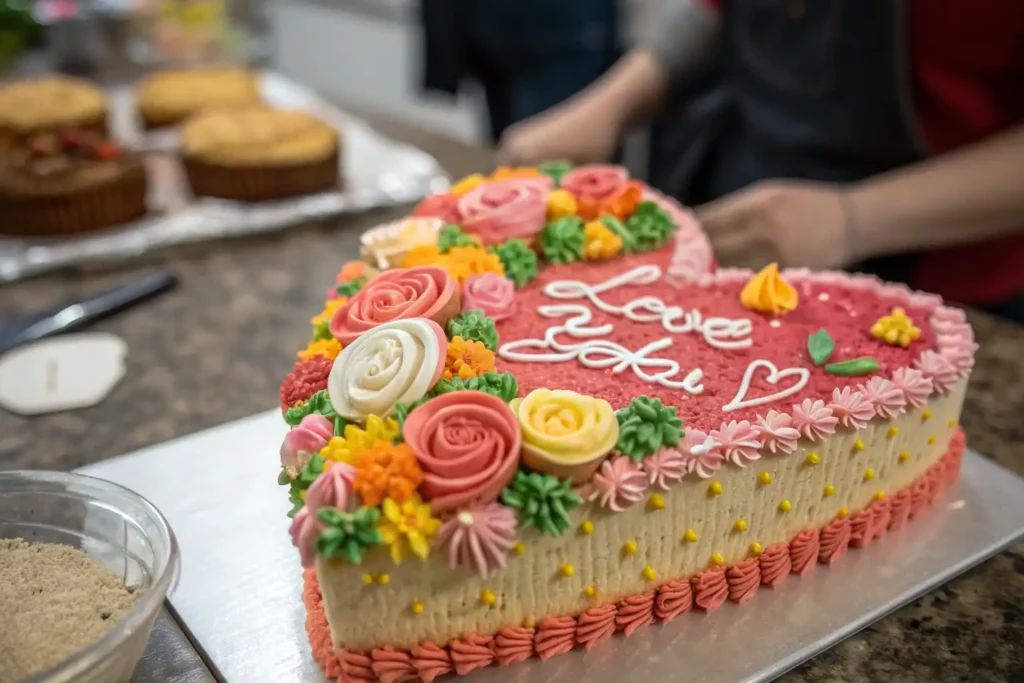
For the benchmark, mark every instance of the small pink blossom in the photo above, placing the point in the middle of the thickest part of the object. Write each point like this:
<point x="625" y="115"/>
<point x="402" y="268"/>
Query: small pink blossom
<point x="479" y="537"/>
<point x="851" y="408"/>
<point x="665" y="467"/>
<point x="915" y="386"/>
<point x="938" y="369"/>
<point x="885" y="398"/>
<point x="737" y="442"/>
<point x="814" y="419"/>
<point x="618" y="484"/>
<point x="703" y="456"/>
<point x="305" y="528"/>
<point x="776" y="432"/>
<point x="333" y="488"/>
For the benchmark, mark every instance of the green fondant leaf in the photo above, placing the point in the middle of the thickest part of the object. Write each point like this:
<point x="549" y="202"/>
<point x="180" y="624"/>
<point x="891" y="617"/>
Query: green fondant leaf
<point x="856" y="367"/>
<point x="820" y="346"/>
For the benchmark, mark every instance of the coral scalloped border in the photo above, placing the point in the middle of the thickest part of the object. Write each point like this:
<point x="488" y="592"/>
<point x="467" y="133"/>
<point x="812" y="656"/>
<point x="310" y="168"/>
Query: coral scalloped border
<point x="705" y="590"/>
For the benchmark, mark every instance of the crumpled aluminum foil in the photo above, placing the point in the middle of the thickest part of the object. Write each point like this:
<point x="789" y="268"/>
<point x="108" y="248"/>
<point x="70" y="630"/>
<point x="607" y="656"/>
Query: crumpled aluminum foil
<point x="377" y="172"/>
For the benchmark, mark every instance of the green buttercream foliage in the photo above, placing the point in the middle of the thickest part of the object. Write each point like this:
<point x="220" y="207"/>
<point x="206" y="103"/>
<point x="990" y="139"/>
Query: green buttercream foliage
<point x="519" y="260"/>
<point x="317" y="403"/>
<point x="542" y="500"/>
<point x="452" y="236"/>
<point x="503" y="385"/>
<point x="348" y="534"/>
<point x="351" y="287"/>
<point x="555" y="169"/>
<point x="313" y="469"/>
<point x="629" y="244"/>
<point x="402" y="413"/>
<point x="645" y="426"/>
<point x="650" y="226"/>
<point x="562" y="240"/>
<point x="475" y="326"/>
<point x="856" y="367"/>
<point x="322" y="330"/>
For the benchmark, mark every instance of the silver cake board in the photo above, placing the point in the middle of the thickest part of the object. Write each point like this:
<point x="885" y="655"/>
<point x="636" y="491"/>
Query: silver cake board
<point x="241" y="583"/>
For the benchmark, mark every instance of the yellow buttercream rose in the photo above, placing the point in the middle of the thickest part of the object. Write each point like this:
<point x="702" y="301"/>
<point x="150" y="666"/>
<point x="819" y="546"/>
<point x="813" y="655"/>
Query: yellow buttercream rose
<point x="564" y="433"/>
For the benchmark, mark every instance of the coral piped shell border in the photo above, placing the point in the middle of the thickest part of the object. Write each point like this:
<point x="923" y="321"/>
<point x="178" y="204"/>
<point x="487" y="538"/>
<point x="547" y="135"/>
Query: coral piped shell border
<point x="705" y="591"/>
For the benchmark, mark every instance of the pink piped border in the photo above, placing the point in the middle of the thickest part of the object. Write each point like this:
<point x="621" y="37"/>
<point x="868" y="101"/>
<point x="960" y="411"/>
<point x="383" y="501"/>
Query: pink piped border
<point x="706" y="591"/>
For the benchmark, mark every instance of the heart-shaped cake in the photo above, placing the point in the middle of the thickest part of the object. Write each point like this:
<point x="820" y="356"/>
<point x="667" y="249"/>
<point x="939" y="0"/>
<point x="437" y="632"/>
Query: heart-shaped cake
<point x="557" y="420"/>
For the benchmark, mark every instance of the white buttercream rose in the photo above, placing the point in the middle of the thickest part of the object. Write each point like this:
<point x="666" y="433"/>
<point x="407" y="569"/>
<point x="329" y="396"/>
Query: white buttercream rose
<point x="396" y="362"/>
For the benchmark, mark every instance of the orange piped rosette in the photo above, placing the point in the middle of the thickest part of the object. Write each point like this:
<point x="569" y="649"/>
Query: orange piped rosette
<point x="768" y="292"/>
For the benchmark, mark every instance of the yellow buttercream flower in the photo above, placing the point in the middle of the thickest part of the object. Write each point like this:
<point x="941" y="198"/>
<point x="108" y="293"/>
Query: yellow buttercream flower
<point x="423" y="255"/>
<point x="330" y="307"/>
<point x="322" y="347"/>
<point x="407" y="527"/>
<point x="470" y="182"/>
<point x="564" y="433"/>
<point x="767" y="292"/>
<point x="461" y="262"/>
<point x="896" y="329"/>
<point x="507" y="172"/>
<point x="354" y="440"/>
<point x="599" y="242"/>
<point x="561" y="204"/>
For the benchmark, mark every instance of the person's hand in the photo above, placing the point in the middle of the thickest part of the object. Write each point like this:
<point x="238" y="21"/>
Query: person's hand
<point x="577" y="131"/>
<point x="795" y="223"/>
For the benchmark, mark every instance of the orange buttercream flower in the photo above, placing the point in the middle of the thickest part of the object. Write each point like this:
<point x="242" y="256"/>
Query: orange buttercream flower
<point x="351" y="270"/>
<point x="322" y="347"/>
<point x="623" y="205"/>
<point x="506" y="172"/>
<point x="387" y="471"/>
<point x="465" y="261"/>
<point x="467" y="359"/>
<point x="329" y="308"/>
<point x="423" y="255"/>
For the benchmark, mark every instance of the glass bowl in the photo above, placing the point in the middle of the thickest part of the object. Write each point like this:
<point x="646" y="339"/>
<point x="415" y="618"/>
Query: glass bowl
<point x="112" y="525"/>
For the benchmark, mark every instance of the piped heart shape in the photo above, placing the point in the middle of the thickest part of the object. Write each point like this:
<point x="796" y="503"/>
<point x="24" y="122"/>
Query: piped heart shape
<point x="740" y="400"/>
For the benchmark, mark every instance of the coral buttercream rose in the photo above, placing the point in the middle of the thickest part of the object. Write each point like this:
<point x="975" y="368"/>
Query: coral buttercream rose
<point x="467" y="444"/>
<point x="594" y="185"/>
<point x="496" y="212"/>
<point x="444" y="206"/>
<point x="400" y="294"/>
<point x="564" y="433"/>
<point x="490" y="293"/>
<point x="393" y="363"/>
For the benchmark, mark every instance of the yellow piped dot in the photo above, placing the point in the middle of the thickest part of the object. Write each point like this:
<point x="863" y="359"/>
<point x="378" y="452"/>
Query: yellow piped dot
<point x="893" y="432"/>
<point x="715" y="488"/>
<point x="830" y="490"/>
<point x="869" y="474"/>
<point x="567" y="570"/>
<point x="812" y="458"/>
<point x="740" y="525"/>
<point x="858" y="446"/>
<point x="690" y="536"/>
<point x="586" y="527"/>
<point x="629" y="548"/>
<point x="785" y="506"/>
<point x="879" y="494"/>
<point x="519" y="548"/>
<point x="904" y="456"/>
<point x="843" y="513"/>
<point x="718" y="559"/>
<point x="648" y="573"/>
<point x="755" y="548"/>
<point x="926" y="415"/>
<point x="932" y="440"/>
<point x="764" y="478"/>
<point x="590" y="591"/>
<point x="656" y="502"/>
<point x="367" y="579"/>
<point x="383" y="578"/>
<point x="416" y="607"/>
<point x="952" y="422"/>
<point x="488" y="597"/>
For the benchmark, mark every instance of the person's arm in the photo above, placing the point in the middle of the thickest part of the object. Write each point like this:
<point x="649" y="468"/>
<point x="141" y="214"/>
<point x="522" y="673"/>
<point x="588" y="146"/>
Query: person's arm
<point x="971" y="194"/>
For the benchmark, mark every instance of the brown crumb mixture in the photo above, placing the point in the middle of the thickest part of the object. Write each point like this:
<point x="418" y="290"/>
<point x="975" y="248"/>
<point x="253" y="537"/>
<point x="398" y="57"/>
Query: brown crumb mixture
<point x="54" y="601"/>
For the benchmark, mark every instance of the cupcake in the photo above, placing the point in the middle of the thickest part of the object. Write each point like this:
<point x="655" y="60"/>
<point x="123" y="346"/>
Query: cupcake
<point x="70" y="182"/>
<point x="169" y="97"/>
<point x="42" y="105"/>
<point x="259" y="153"/>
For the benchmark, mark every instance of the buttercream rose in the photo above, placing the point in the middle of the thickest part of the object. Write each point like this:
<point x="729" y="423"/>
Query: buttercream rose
<point x="400" y="294"/>
<point x="444" y="206"/>
<point x="386" y="245"/>
<point x="467" y="444"/>
<point x="393" y="363"/>
<point x="496" y="212"/>
<point x="305" y="439"/>
<point x="564" y="433"/>
<point x="595" y="183"/>
<point x="490" y="293"/>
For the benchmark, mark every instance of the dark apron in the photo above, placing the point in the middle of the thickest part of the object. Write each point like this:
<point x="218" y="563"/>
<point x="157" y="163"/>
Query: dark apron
<point x="810" y="89"/>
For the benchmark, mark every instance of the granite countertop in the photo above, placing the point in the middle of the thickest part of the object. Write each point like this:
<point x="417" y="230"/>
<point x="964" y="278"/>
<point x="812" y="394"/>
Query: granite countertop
<point x="216" y="349"/>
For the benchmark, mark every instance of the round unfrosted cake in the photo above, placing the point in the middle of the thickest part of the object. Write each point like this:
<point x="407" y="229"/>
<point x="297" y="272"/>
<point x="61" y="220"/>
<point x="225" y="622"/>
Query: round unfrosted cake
<point x="763" y="423"/>
<point x="169" y="97"/>
<point x="47" y="104"/>
<point x="259" y="153"/>
<point x="69" y="182"/>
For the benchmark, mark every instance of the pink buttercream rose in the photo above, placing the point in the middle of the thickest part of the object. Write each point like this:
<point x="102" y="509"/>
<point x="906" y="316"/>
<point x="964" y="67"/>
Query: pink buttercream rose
<point x="595" y="183"/>
<point x="499" y="211"/>
<point x="490" y="293"/>
<point x="444" y="206"/>
<point x="399" y="294"/>
<point x="305" y="439"/>
<point x="305" y="528"/>
<point x="333" y="488"/>
<point x="467" y="444"/>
